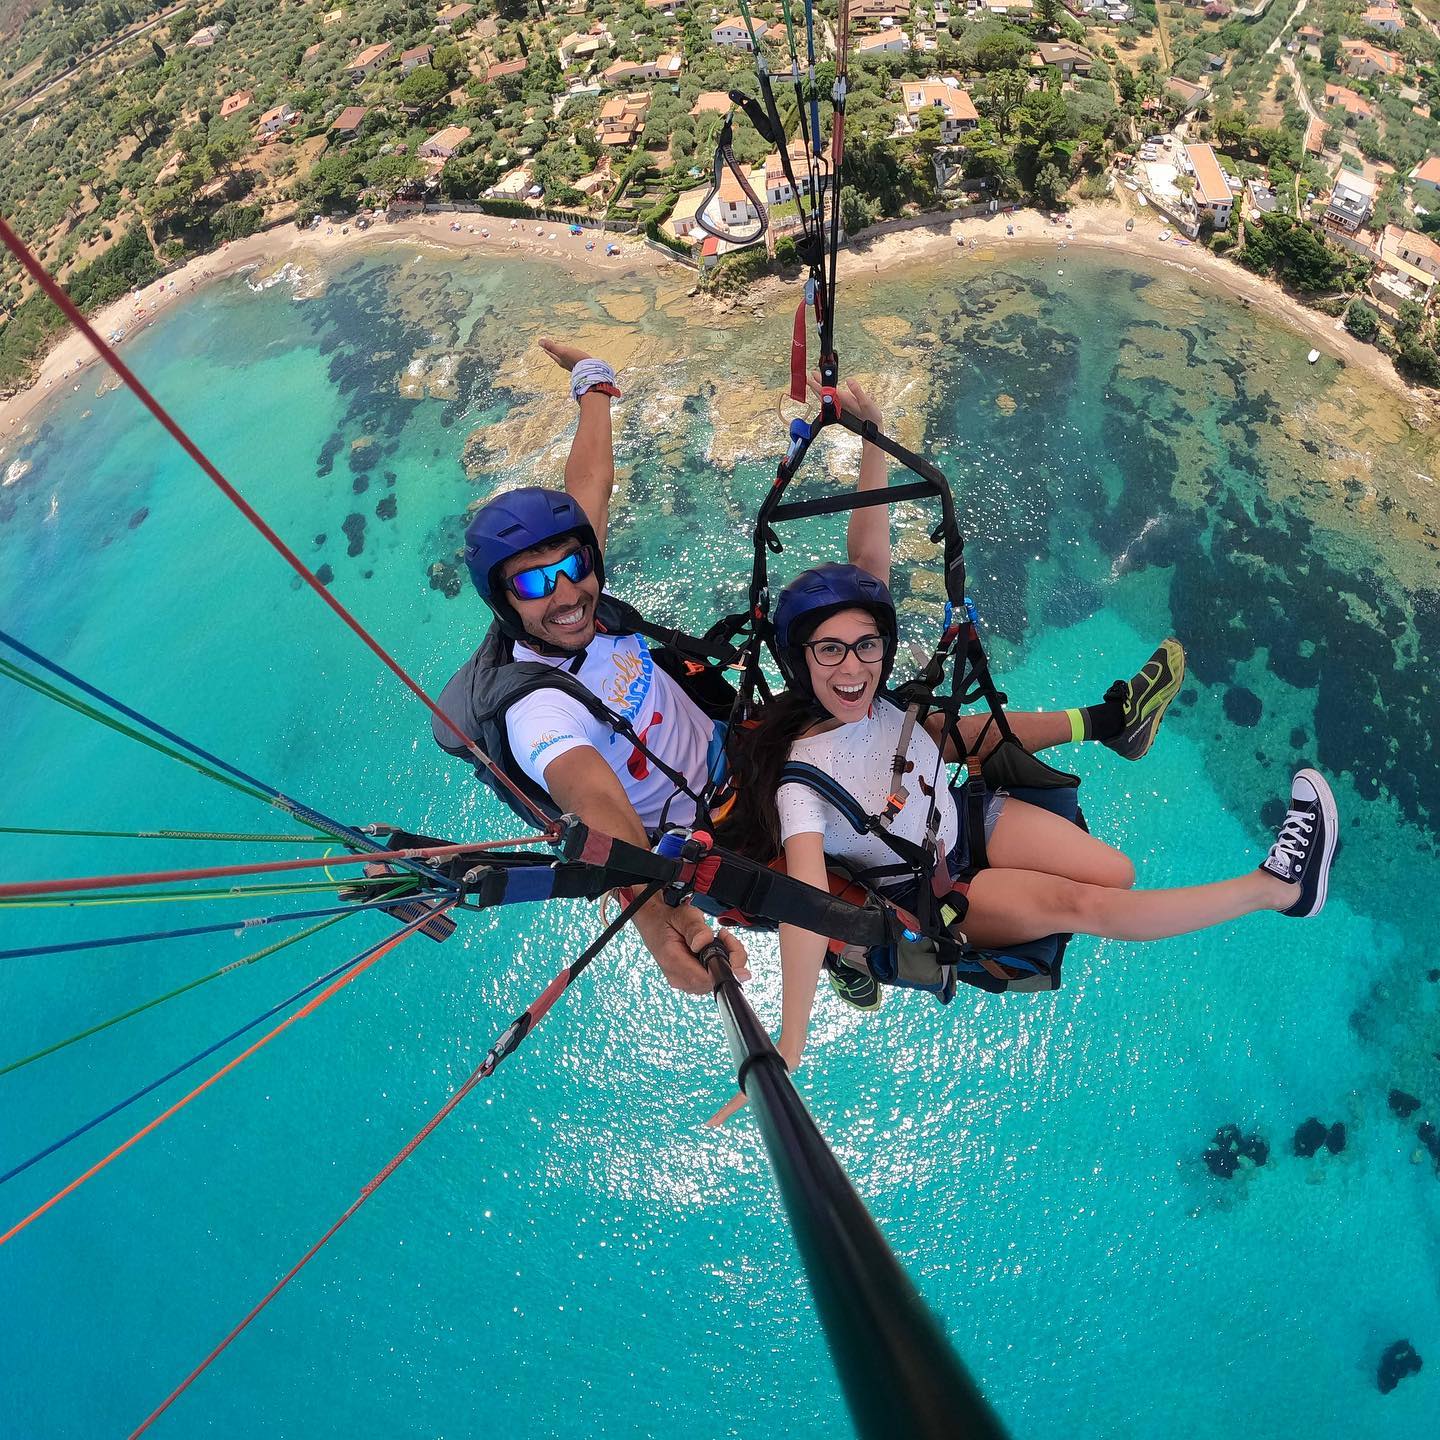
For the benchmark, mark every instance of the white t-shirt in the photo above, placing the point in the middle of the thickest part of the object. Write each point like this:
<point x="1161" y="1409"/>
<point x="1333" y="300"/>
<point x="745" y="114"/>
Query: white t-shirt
<point x="861" y="756"/>
<point x="545" y="725"/>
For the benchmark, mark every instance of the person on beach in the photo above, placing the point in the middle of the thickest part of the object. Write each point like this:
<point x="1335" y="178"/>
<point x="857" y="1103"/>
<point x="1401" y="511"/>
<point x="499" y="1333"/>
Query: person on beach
<point x="836" y="635"/>
<point x="562" y="666"/>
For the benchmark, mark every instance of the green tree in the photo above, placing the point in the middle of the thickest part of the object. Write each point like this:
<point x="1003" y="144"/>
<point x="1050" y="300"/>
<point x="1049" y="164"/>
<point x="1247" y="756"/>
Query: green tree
<point x="1361" y="321"/>
<point x="449" y="60"/>
<point x="1050" y="184"/>
<point x="1000" y="97"/>
<point x="1048" y="14"/>
<point x="422" y="89"/>
<point x="856" y="212"/>
<point x="1231" y="131"/>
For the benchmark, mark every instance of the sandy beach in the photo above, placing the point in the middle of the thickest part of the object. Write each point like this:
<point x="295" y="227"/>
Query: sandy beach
<point x="883" y="249"/>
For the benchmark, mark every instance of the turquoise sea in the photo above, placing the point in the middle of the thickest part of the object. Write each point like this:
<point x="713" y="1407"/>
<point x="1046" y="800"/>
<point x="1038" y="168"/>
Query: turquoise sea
<point x="572" y="1255"/>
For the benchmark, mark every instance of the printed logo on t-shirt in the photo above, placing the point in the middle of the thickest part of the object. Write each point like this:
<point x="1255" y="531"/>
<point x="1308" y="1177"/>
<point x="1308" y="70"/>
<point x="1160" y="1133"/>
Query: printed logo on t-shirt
<point x="639" y="763"/>
<point x="628" y="687"/>
<point x="543" y="743"/>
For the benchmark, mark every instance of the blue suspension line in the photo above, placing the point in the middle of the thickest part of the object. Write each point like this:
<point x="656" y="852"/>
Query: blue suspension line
<point x="253" y="923"/>
<point x="307" y="814"/>
<point x="193" y="1060"/>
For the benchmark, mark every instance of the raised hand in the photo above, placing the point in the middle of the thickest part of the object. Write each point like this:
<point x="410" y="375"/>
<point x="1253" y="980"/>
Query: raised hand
<point x="567" y="357"/>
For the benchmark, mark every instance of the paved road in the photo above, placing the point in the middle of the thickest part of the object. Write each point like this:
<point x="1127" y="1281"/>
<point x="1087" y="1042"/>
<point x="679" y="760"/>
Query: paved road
<point x="1275" y="43"/>
<point x="124" y="38"/>
<point x="1300" y="92"/>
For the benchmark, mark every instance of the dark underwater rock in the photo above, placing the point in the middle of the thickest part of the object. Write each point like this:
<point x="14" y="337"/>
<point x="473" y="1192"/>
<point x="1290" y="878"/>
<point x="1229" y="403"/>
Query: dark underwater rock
<point x="1398" y="1361"/>
<point x="328" y="451"/>
<point x="1272" y="813"/>
<point x="1430" y="1139"/>
<point x="1254" y="1149"/>
<point x="1310" y="1137"/>
<point x="445" y="578"/>
<point x="1229" y="1147"/>
<point x="1402" y="1104"/>
<point x="1335" y="1138"/>
<point x="1222" y="1164"/>
<point x="139" y="517"/>
<point x="1298" y="738"/>
<point x="1242" y="706"/>
<point x="1432" y="976"/>
<point x="320" y="539"/>
<point x="324" y="574"/>
<point x="354" y="528"/>
<point x="385" y="510"/>
<point x="360" y="484"/>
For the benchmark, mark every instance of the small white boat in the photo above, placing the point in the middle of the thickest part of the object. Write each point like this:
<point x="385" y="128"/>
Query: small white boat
<point x="1313" y="356"/>
<point x="1164" y="235"/>
<point x="1142" y="200"/>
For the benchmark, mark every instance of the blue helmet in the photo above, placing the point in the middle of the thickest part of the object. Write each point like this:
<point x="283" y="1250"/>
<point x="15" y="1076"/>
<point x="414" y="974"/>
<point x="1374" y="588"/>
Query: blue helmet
<point x="519" y="520"/>
<point x="815" y="595"/>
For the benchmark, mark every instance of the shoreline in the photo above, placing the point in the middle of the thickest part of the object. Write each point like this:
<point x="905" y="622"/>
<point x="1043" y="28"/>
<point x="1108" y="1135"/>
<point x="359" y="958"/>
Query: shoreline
<point x="1093" y="226"/>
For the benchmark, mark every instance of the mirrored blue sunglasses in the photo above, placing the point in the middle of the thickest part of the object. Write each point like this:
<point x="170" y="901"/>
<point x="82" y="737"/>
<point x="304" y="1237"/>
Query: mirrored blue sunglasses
<point x="540" y="580"/>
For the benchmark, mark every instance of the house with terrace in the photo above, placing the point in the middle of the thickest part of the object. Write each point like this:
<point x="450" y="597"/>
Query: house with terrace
<point x="1068" y="59"/>
<point x="1353" y="105"/>
<point x="368" y="61"/>
<point x="732" y="33"/>
<point x="885" y="42"/>
<point x="957" y="110"/>
<point x="1362" y="60"/>
<point x="621" y="119"/>
<point x="1385" y="18"/>
<point x="1212" y="195"/>
<point x="1351" y="202"/>
<point x="631" y="72"/>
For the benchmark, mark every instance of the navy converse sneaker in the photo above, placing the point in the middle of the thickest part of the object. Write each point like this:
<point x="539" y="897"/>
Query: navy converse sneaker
<point x="1305" y="846"/>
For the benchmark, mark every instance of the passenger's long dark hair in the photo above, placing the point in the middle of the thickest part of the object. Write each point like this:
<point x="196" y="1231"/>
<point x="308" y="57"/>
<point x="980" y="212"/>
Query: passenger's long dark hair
<point x="757" y="753"/>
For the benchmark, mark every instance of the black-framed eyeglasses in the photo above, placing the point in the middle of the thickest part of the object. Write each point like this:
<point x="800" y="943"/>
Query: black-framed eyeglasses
<point x="539" y="581"/>
<point x="868" y="649"/>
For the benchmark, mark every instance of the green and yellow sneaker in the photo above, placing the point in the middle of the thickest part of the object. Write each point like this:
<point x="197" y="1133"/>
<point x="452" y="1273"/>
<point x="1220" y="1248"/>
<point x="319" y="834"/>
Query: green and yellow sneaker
<point x="1145" y="698"/>
<point x="855" y="987"/>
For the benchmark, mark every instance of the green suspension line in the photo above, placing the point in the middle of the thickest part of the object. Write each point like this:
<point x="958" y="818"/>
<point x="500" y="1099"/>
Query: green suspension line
<point x="304" y="934"/>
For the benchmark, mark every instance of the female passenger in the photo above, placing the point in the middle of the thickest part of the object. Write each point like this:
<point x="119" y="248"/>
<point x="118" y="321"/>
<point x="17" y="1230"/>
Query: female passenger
<point x="836" y="637"/>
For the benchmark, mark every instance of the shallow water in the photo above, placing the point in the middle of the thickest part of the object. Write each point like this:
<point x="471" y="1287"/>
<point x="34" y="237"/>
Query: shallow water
<point x="571" y="1255"/>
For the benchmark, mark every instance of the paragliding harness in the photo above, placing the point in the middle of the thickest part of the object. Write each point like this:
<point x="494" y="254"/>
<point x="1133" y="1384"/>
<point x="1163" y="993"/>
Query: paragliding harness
<point x="930" y="951"/>
<point x="483" y="690"/>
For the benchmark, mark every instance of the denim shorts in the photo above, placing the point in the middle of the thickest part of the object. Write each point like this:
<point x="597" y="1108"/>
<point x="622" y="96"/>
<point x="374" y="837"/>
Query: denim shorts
<point x="959" y="857"/>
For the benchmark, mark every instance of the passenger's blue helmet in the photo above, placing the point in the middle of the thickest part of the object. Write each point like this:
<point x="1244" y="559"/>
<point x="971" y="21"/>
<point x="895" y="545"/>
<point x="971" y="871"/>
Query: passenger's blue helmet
<point x="815" y="595"/>
<point x="515" y="521"/>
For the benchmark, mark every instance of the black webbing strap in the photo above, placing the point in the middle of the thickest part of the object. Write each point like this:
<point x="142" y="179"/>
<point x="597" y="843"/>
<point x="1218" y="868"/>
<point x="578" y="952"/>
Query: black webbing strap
<point x="725" y="160"/>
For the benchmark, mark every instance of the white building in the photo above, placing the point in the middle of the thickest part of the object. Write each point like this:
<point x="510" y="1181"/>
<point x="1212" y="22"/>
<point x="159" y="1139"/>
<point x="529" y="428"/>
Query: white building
<point x="957" y="110"/>
<point x="887" y="42"/>
<point x="731" y="31"/>
<point x="1351" y="201"/>
<point x="1212" y="195"/>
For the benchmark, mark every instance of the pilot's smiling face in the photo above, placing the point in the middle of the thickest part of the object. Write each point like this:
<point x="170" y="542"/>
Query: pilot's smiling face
<point x="565" y="618"/>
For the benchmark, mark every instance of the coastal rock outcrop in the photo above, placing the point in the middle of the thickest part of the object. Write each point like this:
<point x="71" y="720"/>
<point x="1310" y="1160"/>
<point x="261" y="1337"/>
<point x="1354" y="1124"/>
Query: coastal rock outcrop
<point x="1398" y="1361"/>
